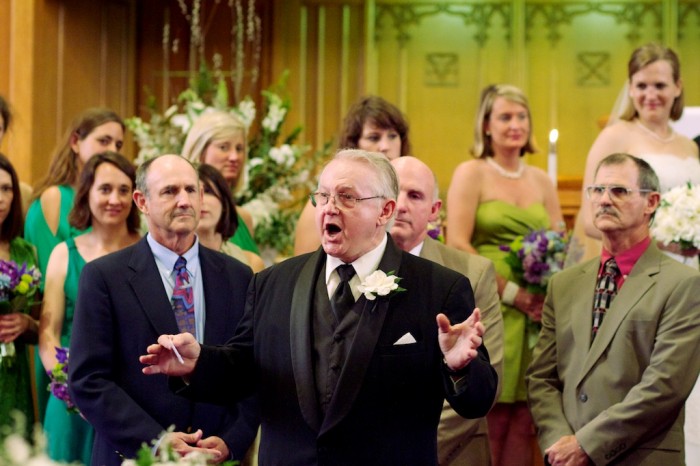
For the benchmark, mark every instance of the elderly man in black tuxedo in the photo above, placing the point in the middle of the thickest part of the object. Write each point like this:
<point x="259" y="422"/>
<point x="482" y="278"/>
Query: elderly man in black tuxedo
<point x="348" y="371"/>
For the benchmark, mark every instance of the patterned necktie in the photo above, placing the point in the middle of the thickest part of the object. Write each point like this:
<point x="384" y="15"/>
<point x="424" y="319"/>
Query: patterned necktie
<point x="343" y="300"/>
<point x="183" y="298"/>
<point x="605" y="291"/>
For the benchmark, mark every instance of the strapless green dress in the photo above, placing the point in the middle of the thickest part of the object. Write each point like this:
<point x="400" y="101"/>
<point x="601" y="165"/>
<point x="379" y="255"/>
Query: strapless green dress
<point x="498" y="223"/>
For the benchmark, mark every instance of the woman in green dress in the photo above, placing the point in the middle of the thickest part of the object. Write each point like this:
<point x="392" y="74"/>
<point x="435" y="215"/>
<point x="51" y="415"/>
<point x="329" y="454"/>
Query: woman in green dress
<point x="103" y="203"/>
<point x="18" y="328"/>
<point x="218" y="221"/>
<point x="491" y="200"/>
<point x="46" y="224"/>
<point x="218" y="139"/>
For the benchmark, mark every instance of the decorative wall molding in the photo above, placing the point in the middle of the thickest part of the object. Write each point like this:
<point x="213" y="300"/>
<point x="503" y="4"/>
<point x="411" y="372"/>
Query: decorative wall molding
<point x="403" y="16"/>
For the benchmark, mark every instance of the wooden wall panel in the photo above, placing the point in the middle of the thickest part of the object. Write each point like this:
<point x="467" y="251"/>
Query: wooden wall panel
<point x="65" y="56"/>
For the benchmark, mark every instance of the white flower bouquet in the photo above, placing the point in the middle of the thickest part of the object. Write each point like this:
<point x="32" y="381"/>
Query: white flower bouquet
<point x="677" y="219"/>
<point x="279" y="175"/>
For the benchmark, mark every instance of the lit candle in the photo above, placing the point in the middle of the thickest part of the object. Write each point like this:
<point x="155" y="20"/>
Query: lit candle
<point x="552" y="156"/>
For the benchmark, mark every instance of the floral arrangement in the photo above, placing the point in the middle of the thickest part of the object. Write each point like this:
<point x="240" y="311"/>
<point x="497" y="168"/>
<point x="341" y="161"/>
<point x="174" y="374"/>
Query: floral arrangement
<point x="535" y="257"/>
<point x="380" y="284"/>
<point x="677" y="219"/>
<point x="18" y="285"/>
<point x="16" y="450"/>
<point x="59" y="380"/>
<point x="278" y="176"/>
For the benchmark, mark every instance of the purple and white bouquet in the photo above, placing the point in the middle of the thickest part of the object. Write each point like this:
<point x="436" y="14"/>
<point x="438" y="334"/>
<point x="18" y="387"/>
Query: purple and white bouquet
<point x="535" y="257"/>
<point x="18" y="284"/>
<point x="59" y="380"/>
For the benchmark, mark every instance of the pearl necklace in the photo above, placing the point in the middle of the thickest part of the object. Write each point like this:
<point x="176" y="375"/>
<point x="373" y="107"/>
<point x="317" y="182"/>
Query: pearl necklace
<point x="651" y="133"/>
<point x="507" y="173"/>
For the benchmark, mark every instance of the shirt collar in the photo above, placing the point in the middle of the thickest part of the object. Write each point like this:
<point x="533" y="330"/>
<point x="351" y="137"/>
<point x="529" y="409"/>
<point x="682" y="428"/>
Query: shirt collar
<point x="168" y="257"/>
<point x="364" y="265"/>
<point x="417" y="249"/>
<point x="626" y="259"/>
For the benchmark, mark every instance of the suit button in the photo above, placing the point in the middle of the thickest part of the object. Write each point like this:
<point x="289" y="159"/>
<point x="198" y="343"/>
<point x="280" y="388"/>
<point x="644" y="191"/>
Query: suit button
<point x="335" y="367"/>
<point x="583" y="397"/>
<point x="338" y="337"/>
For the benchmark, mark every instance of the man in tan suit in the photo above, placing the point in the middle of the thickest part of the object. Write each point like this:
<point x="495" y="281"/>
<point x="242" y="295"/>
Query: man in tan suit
<point x="608" y="381"/>
<point x="460" y="441"/>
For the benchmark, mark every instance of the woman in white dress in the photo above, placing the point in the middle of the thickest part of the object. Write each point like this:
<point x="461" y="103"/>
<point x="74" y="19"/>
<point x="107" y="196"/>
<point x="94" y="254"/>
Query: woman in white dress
<point x="654" y="97"/>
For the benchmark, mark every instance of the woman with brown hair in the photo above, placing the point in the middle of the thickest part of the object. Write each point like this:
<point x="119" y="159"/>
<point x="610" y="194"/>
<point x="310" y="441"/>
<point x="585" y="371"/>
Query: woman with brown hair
<point x="374" y="125"/>
<point x="219" y="222"/>
<point x="103" y="203"/>
<point x="18" y="328"/>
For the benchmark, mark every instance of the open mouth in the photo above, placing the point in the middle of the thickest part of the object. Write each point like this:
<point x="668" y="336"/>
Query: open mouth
<point x="332" y="229"/>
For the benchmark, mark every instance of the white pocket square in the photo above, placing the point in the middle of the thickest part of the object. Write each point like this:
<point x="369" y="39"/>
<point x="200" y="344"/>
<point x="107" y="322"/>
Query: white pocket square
<point x="405" y="340"/>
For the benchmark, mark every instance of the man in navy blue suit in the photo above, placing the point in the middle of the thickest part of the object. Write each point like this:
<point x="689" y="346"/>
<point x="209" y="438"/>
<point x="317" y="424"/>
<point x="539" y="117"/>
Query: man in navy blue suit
<point x="347" y="372"/>
<point x="124" y="303"/>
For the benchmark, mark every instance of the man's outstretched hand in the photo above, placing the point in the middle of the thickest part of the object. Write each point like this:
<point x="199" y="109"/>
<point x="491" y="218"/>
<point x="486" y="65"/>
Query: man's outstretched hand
<point x="459" y="342"/>
<point x="162" y="357"/>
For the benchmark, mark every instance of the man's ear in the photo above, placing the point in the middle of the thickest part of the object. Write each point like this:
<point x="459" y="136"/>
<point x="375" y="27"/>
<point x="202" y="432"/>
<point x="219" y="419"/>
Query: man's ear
<point x="435" y="210"/>
<point x="387" y="212"/>
<point x="653" y="201"/>
<point x="140" y="200"/>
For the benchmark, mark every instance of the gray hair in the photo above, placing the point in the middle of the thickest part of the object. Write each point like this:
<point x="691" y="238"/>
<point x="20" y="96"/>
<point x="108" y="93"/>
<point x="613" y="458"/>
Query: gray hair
<point x="144" y="168"/>
<point x="647" y="178"/>
<point x="388" y="181"/>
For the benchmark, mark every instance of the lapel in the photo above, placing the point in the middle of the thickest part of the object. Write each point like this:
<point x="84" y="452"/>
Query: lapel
<point x="300" y="338"/>
<point x="148" y="287"/>
<point x="215" y="297"/>
<point x="363" y="345"/>
<point x="632" y="291"/>
<point x="582" y="303"/>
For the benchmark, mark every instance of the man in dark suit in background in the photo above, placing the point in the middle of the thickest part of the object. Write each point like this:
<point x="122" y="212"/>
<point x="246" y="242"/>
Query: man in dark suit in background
<point x="460" y="442"/>
<point x="350" y="382"/>
<point x="124" y="302"/>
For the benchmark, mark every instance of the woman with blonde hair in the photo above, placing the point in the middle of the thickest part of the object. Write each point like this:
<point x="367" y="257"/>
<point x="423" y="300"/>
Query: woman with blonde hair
<point x="492" y="200"/>
<point x="218" y="139"/>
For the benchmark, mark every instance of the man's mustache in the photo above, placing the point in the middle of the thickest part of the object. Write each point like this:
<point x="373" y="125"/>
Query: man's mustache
<point x="606" y="211"/>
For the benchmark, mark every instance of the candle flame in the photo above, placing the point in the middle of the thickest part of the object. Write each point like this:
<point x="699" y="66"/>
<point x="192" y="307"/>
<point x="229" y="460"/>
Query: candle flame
<point x="553" y="135"/>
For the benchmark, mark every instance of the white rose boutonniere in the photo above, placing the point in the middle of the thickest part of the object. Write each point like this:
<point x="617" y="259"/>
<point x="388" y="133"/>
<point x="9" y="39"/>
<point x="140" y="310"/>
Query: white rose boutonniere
<point x="379" y="283"/>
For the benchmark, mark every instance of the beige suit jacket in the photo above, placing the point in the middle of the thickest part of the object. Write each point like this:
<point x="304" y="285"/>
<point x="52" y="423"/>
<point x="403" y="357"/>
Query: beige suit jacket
<point x="465" y="441"/>
<point x="623" y="395"/>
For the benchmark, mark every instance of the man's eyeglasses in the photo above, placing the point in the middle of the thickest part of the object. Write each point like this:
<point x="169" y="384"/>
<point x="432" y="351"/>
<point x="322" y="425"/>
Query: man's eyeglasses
<point x="616" y="193"/>
<point x="346" y="201"/>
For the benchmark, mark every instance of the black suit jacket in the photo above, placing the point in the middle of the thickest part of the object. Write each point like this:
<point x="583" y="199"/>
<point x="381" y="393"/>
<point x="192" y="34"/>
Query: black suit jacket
<point x="388" y="400"/>
<point x="121" y="308"/>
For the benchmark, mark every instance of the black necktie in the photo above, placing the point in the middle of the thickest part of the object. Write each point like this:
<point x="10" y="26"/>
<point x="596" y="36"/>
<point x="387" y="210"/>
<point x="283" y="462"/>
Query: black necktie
<point x="605" y="291"/>
<point x="343" y="300"/>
